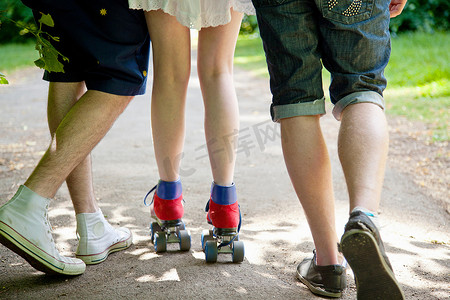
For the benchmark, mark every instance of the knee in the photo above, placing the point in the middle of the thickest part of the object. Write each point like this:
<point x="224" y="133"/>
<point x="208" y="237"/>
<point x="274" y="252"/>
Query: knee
<point x="211" y="68"/>
<point x="172" y="76"/>
<point x="363" y="111"/>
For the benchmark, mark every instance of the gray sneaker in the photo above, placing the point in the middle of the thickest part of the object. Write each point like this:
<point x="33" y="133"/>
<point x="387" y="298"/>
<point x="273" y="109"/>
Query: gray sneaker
<point x="327" y="281"/>
<point x="363" y="248"/>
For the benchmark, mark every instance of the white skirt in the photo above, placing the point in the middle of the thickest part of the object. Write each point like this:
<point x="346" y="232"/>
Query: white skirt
<point x="197" y="14"/>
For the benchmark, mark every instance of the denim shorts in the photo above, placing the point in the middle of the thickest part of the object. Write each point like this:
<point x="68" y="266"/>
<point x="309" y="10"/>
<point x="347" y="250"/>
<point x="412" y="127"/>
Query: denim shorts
<point x="107" y="44"/>
<point x="349" y="37"/>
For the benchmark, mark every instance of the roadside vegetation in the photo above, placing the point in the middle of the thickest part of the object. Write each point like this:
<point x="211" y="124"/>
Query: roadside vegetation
<point x="17" y="56"/>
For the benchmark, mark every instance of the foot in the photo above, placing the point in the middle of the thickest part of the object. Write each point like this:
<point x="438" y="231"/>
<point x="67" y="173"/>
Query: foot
<point x="223" y="213"/>
<point x="97" y="238"/>
<point x="25" y="229"/>
<point x="167" y="209"/>
<point x="167" y="202"/>
<point x="223" y="209"/>
<point x="364" y="250"/>
<point x="329" y="281"/>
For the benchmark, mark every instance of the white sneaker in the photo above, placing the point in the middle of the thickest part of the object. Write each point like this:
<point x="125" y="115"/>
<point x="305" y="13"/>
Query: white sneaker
<point x="97" y="238"/>
<point x="25" y="229"/>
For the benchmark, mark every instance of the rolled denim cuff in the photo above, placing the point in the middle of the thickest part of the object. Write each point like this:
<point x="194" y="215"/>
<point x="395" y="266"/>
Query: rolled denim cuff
<point x="316" y="107"/>
<point x="358" y="97"/>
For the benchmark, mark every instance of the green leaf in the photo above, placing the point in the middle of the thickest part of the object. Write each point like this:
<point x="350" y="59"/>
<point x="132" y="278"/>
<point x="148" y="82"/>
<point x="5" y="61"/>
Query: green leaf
<point x="3" y="79"/>
<point x="50" y="56"/>
<point x="47" y="20"/>
<point x="40" y="63"/>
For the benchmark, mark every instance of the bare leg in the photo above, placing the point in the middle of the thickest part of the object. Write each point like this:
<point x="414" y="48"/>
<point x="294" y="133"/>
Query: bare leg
<point x="79" y="132"/>
<point x="171" y="64"/>
<point x="309" y="167"/>
<point x="92" y="243"/>
<point x="363" y="148"/>
<point x="215" y="68"/>
<point x="61" y="98"/>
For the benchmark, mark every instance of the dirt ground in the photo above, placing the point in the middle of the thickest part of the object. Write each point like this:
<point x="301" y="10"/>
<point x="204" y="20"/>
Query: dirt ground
<point x="415" y="210"/>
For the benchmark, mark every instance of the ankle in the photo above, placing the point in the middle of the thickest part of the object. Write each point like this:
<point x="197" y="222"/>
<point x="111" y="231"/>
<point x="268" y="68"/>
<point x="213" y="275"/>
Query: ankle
<point x="87" y="209"/>
<point x="328" y="259"/>
<point x="169" y="190"/>
<point x="42" y="191"/>
<point x="86" y="222"/>
<point x="168" y="201"/>
<point x="373" y="216"/>
<point x="223" y="195"/>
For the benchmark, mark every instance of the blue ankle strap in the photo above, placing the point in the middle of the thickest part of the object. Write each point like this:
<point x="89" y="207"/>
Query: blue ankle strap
<point x="169" y="190"/>
<point x="223" y="195"/>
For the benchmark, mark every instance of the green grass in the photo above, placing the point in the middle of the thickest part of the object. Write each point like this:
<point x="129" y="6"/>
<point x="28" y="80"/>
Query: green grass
<point x="16" y="56"/>
<point x="250" y="55"/>
<point x="419" y="59"/>
<point x="418" y="77"/>
<point x="419" y="80"/>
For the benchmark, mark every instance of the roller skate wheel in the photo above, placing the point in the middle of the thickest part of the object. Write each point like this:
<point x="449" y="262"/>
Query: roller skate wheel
<point x="207" y="235"/>
<point x="238" y="252"/>
<point x="185" y="240"/>
<point x="182" y="226"/>
<point x="154" y="228"/>
<point x="211" y="251"/>
<point x="160" y="242"/>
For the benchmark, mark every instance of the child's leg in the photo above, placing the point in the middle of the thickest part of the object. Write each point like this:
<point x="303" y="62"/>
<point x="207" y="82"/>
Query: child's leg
<point x="171" y="68"/>
<point x="215" y="69"/>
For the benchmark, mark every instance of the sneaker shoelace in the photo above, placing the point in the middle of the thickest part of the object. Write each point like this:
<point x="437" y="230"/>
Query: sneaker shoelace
<point x="49" y="225"/>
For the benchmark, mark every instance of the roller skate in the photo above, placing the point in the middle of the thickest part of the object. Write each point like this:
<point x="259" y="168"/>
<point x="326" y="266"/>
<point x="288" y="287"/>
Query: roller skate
<point x="224" y="214"/>
<point x="167" y="211"/>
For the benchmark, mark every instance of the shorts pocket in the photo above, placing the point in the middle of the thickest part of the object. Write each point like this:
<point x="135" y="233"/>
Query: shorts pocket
<point x="347" y="11"/>
<point x="262" y="3"/>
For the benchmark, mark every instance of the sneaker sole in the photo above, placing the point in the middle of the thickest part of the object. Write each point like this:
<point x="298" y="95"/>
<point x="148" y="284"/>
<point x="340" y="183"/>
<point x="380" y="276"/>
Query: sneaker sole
<point x="36" y="257"/>
<point x="374" y="279"/>
<point x="93" y="259"/>
<point x="317" y="290"/>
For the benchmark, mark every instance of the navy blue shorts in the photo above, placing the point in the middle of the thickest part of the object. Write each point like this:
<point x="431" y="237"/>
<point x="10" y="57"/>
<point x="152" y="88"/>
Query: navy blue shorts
<point x="107" y="43"/>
